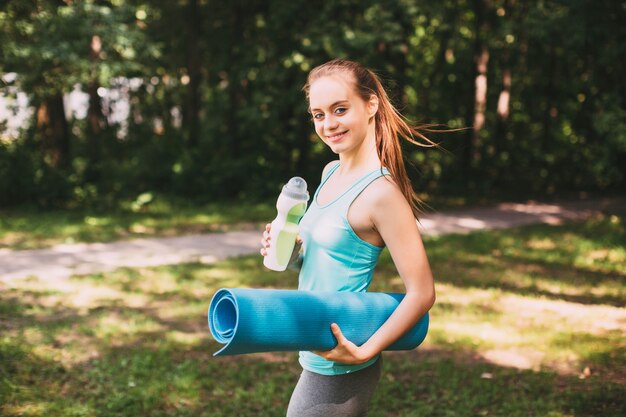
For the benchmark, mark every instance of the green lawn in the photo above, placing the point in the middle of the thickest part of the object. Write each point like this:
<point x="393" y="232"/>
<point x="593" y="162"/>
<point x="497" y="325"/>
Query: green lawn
<point x="147" y="216"/>
<point x="528" y="322"/>
<point x="34" y="229"/>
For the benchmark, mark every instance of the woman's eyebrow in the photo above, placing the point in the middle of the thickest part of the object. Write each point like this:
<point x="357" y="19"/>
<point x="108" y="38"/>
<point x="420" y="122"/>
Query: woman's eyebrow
<point x="332" y="105"/>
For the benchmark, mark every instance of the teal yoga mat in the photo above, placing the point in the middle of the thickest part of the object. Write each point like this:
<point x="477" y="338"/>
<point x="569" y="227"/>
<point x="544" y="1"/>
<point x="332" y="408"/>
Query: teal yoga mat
<point x="265" y="320"/>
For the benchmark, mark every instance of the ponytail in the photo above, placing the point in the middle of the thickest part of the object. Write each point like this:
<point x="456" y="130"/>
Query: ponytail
<point x="390" y="124"/>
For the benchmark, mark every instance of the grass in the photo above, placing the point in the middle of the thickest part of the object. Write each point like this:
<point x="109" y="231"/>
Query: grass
<point x="147" y="216"/>
<point x="528" y="322"/>
<point x="34" y="229"/>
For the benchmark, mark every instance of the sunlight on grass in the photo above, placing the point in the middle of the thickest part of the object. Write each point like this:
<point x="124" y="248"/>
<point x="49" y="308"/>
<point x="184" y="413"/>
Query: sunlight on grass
<point x="524" y="327"/>
<point x="121" y="327"/>
<point x="26" y="409"/>
<point x="541" y="244"/>
<point x="183" y="338"/>
<point x="32" y="336"/>
<point x="506" y="294"/>
<point x="519" y="328"/>
<point x="33" y="229"/>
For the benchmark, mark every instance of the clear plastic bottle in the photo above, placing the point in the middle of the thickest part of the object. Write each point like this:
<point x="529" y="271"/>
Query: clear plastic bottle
<point x="291" y="205"/>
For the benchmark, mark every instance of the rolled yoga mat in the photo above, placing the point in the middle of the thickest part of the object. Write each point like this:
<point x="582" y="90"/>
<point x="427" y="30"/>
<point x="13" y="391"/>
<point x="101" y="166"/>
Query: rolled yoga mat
<point x="265" y="320"/>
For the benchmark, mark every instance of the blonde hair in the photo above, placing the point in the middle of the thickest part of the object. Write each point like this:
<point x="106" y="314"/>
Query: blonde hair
<point x="390" y="124"/>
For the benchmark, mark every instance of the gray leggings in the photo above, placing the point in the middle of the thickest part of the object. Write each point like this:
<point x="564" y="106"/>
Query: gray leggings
<point x="345" y="395"/>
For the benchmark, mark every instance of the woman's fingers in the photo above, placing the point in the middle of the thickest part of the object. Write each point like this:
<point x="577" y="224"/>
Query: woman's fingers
<point x="341" y="339"/>
<point x="266" y="236"/>
<point x="265" y="241"/>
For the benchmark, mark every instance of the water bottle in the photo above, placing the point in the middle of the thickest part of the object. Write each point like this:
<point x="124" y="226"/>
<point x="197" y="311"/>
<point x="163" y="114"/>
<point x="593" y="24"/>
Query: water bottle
<point x="291" y="205"/>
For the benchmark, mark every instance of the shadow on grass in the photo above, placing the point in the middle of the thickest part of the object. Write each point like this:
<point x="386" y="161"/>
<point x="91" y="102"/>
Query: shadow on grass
<point x="438" y="382"/>
<point x="578" y="262"/>
<point x="469" y="274"/>
<point x="193" y="282"/>
<point x="155" y="376"/>
<point x="63" y="361"/>
<point x="141" y="345"/>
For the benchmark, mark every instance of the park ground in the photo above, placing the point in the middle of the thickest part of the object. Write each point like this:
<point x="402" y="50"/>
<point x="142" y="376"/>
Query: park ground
<point x="529" y="321"/>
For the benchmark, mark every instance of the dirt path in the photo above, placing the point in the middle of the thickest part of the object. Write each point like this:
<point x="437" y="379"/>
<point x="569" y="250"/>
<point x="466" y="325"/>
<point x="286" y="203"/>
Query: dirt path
<point x="63" y="261"/>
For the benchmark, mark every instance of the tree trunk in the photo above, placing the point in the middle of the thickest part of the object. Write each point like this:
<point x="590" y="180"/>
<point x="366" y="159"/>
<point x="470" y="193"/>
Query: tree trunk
<point x="236" y="98"/>
<point x="444" y="40"/>
<point x="192" y="105"/>
<point x="504" y="100"/>
<point x="95" y="117"/>
<point x="53" y="128"/>
<point x="583" y="120"/>
<point x="480" y="101"/>
<point x="96" y="122"/>
<point x="476" y="110"/>
<point x="235" y="94"/>
<point x="550" y="91"/>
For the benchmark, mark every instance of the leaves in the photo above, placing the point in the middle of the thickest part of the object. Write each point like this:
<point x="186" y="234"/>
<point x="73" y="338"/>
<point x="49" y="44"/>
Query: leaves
<point x="214" y="89"/>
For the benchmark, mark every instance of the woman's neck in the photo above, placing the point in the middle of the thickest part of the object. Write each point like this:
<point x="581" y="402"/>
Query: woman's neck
<point x="363" y="158"/>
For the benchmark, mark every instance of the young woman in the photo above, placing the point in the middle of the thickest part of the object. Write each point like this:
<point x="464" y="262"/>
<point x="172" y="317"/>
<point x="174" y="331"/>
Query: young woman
<point x="364" y="203"/>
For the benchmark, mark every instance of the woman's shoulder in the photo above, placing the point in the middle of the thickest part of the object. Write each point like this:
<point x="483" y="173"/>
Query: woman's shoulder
<point x="328" y="167"/>
<point x="386" y="203"/>
<point x="384" y="191"/>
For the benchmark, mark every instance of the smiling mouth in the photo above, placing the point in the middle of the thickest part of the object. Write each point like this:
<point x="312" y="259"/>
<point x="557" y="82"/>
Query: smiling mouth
<point x="336" y="137"/>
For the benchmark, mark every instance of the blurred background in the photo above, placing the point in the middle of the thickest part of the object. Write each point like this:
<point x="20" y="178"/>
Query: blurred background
<point x="106" y="102"/>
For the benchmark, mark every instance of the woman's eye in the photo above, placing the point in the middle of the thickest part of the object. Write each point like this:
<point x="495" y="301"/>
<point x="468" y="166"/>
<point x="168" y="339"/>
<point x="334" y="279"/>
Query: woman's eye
<point x="318" y="116"/>
<point x="340" y="110"/>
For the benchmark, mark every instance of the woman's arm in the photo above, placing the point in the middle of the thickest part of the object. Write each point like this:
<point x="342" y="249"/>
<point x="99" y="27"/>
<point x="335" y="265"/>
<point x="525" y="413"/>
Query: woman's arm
<point x="393" y="218"/>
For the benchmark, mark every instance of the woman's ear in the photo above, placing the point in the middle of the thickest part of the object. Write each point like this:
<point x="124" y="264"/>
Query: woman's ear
<point x="372" y="105"/>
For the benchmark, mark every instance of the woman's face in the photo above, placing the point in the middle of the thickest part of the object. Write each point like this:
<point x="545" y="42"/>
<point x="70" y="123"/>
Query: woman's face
<point x="341" y="117"/>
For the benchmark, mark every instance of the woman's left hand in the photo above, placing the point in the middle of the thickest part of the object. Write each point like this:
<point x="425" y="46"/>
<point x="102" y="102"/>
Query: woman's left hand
<point x="345" y="351"/>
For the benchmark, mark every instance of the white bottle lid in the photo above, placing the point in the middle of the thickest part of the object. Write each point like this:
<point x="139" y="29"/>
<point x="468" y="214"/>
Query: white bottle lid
<point x="296" y="189"/>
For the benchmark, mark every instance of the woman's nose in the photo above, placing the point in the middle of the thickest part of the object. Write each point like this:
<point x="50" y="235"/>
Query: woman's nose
<point x="330" y="123"/>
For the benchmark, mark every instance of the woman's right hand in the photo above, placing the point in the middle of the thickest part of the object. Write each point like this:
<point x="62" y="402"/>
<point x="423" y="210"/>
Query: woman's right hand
<point x="265" y="242"/>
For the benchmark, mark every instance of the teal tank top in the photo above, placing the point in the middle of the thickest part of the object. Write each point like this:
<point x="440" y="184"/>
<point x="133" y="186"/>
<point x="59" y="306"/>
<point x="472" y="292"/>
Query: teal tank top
<point x="335" y="258"/>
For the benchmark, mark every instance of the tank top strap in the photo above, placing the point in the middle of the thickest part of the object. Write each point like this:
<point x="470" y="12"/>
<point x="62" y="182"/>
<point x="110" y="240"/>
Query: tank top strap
<point x="360" y="185"/>
<point x="330" y="172"/>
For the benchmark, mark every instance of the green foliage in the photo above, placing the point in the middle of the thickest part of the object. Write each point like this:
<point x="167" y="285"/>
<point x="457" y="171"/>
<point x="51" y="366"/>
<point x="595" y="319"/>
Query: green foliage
<point x="217" y="111"/>
<point x="26" y="177"/>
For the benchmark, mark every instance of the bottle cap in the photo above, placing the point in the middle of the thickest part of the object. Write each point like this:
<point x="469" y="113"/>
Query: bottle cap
<point x="296" y="189"/>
